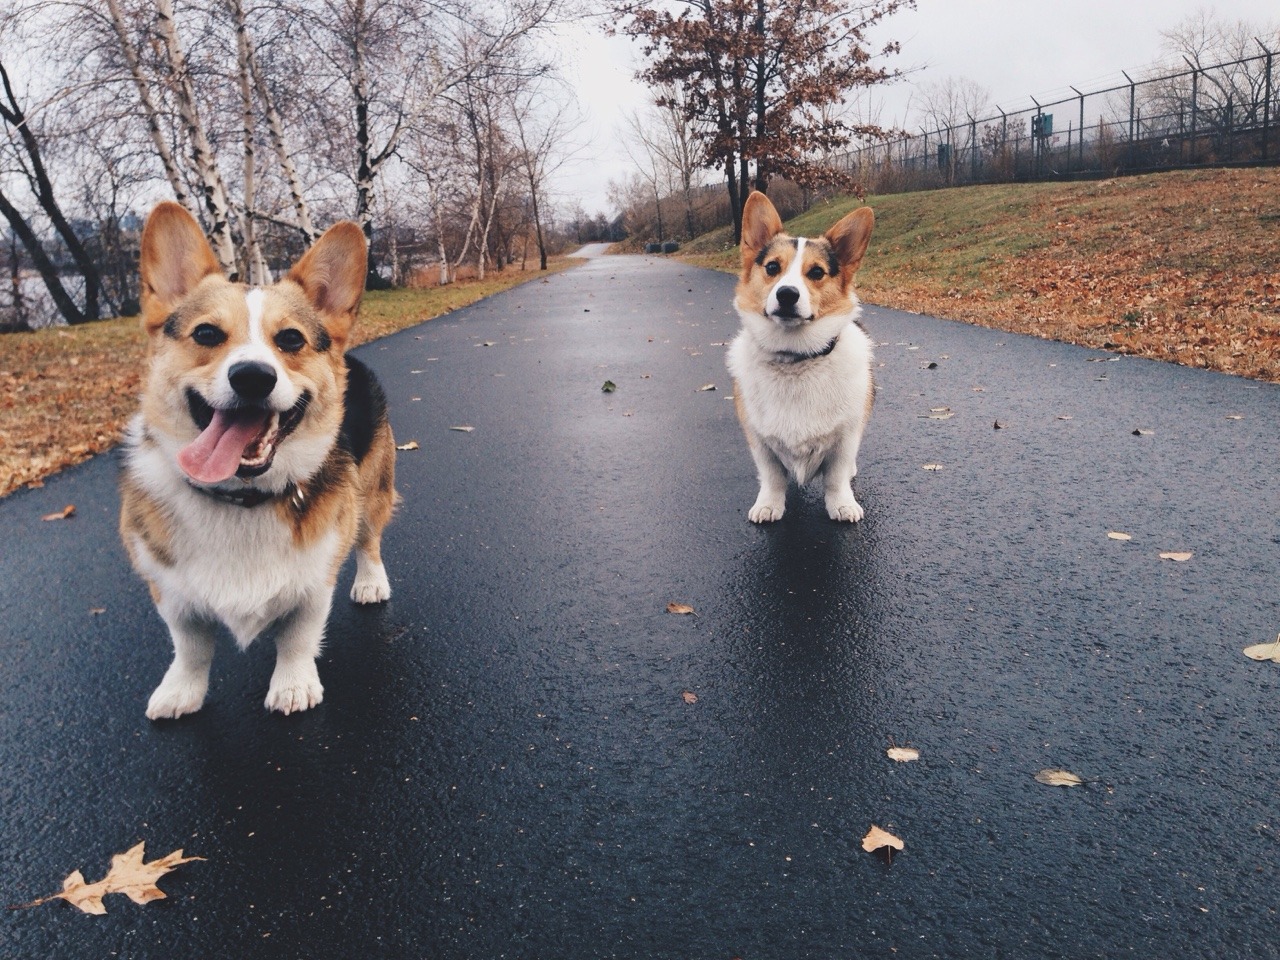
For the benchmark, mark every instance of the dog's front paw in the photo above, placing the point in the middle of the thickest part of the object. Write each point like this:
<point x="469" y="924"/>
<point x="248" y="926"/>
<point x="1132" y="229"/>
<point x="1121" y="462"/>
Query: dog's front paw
<point x="846" y="511"/>
<point x="178" y="694"/>
<point x="294" y="689"/>
<point x="765" y="512"/>
<point x="371" y="584"/>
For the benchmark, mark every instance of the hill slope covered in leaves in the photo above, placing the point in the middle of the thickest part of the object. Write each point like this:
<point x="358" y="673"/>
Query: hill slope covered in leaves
<point x="1181" y="266"/>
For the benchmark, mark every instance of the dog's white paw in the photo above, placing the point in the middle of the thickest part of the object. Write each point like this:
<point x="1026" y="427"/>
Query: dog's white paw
<point x="765" y="512"/>
<point x="178" y="694"/>
<point x="846" y="512"/>
<point x="371" y="584"/>
<point x="294" y="689"/>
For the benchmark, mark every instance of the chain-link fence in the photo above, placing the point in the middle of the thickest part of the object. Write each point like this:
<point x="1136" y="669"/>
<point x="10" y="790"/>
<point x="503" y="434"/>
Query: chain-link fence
<point x="1228" y="113"/>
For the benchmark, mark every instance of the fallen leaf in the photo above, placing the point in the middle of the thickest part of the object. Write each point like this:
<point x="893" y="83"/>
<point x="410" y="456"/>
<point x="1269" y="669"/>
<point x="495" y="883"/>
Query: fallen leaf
<point x="487" y="343"/>
<point x="689" y="697"/>
<point x="1234" y="416"/>
<point x="1064" y="418"/>
<point x="68" y="511"/>
<point x="609" y="386"/>
<point x="705" y="387"/>
<point x="941" y="413"/>
<point x="932" y="466"/>
<point x="683" y="608"/>
<point x="1142" y="433"/>
<point x="999" y="425"/>
<point x="1115" y="535"/>
<point x="463" y="429"/>
<point x="939" y="409"/>
<point x="128" y="875"/>
<point x="877" y="839"/>
<point x="903" y="754"/>
<point x="411" y="445"/>
<point x="97" y="611"/>
<point x="1264" y="651"/>
<point x="1058" y="778"/>
<point x="1178" y="556"/>
<point x="931" y="365"/>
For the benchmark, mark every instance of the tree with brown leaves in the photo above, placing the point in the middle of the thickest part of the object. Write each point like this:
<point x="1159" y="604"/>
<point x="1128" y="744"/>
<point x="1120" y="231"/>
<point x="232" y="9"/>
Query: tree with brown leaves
<point x="758" y="76"/>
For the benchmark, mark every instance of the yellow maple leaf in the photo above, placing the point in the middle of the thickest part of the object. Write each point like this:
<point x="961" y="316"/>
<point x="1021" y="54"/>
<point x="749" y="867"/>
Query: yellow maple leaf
<point x="129" y="874"/>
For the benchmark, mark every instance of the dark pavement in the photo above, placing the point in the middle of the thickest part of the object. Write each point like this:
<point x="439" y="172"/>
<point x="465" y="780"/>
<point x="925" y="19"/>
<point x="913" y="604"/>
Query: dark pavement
<point x="505" y="764"/>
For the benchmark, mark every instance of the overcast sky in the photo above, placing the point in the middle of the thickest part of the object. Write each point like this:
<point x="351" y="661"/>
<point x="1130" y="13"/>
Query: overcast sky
<point x="1014" y="48"/>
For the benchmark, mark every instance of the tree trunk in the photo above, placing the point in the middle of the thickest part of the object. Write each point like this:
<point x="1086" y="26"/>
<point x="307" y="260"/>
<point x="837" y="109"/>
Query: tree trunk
<point x="42" y="187"/>
<point x="63" y="300"/>
<point x="252" y="253"/>
<point x="150" y="112"/>
<point x="735" y="202"/>
<point x="276" y="129"/>
<point x="215" y="192"/>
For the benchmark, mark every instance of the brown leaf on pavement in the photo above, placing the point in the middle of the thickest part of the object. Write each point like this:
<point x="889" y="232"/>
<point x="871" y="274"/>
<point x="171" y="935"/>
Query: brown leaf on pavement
<point x="1179" y="556"/>
<point x="68" y="511"/>
<point x="411" y="445"/>
<point x="683" y="608"/>
<point x="128" y="875"/>
<point x="877" y="839"/>
<point x="1058" y="778"/>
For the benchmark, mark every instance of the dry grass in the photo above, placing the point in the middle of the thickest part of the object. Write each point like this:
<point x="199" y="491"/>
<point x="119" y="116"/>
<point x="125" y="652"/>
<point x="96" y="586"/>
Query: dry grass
<point x="1181" y="266"/>
<point x="67" y="393"/>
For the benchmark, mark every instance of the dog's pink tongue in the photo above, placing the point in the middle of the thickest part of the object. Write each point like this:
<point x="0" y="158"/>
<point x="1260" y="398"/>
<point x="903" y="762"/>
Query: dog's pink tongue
<point x="215" y="454"/>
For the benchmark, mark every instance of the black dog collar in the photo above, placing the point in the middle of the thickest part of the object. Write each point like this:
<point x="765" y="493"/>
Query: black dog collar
<point x="790" y="356"/>
<point x="252" y="496"/>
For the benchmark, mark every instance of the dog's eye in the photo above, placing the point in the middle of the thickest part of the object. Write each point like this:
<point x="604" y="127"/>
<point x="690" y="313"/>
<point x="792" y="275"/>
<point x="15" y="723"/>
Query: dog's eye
<point x="207" y="335"/>
<point x="816" y="273"/>
<point x="290" y="340"/>
<point x="773" y="268"/>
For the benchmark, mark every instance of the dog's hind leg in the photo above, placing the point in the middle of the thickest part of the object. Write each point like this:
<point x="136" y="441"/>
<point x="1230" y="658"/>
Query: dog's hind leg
<point x="378" y="479"/>
<point x="186" y="681"/>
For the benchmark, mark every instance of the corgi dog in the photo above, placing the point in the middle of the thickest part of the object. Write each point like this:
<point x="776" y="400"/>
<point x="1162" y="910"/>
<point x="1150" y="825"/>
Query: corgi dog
<point x="260" y="456"/>
<point x="801" y="364"/>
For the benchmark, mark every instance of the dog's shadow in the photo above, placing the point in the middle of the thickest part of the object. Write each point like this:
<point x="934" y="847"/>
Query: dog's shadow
<point x="814" y="622"/>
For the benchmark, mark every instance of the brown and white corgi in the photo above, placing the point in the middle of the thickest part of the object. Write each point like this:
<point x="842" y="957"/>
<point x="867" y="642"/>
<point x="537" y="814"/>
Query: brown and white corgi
<point x="802" y="363"/>
<point x="260" y="456"/>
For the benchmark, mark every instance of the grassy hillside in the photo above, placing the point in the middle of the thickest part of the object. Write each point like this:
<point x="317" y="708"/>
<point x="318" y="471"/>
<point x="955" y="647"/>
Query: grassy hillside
<point x="1181" y="266"/>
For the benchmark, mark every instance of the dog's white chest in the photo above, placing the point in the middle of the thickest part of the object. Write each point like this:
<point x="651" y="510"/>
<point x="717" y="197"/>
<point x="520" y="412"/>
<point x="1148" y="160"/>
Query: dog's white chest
<point x="238" y="565"/>
<point x="801" y="410"/>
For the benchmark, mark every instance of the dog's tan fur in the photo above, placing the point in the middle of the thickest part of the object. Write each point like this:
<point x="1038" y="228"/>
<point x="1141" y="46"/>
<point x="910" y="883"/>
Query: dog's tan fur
<point x="803" y="384"/>
<point x="208" y="559"/>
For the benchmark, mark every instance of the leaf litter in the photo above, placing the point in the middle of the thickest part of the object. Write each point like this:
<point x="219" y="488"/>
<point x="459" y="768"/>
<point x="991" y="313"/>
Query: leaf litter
<point x="1264" y="651"/>
<point x="129" y="874"/>
<point x="877" y="839"/>
<point x="411" y="445"/>
<point x="680" y="608"/>
<point x="1178" y="556"/>
<point x="903" y="754"/>
<point x="1058" y="778"/>
<point x="64" y="514"/>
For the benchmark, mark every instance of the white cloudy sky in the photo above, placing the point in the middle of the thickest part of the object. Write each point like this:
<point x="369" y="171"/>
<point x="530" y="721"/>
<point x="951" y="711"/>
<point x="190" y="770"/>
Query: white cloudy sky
<point x="1014" y="48"/>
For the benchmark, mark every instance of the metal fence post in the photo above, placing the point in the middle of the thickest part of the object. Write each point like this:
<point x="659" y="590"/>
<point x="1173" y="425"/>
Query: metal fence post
<point x="973" y="149"/>
<point x="1195" y="90"/>
<point x="1266" y="102"/>
<point x="1080" y="149"/>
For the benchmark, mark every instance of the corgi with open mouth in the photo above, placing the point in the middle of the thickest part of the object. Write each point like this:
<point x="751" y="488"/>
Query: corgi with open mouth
<point x="261" y="455"/>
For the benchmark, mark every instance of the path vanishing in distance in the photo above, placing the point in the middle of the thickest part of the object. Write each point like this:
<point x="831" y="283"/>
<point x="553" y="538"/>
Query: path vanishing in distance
<point x="506" y="763"/>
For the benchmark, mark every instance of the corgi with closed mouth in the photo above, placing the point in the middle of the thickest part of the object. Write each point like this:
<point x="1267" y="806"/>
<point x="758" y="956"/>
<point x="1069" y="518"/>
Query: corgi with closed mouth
<point x="801" y="364"/>
<point x="261" y="455"/>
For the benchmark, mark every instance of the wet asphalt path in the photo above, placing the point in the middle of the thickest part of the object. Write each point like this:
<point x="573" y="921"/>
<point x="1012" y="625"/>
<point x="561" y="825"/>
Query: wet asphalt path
<point x="506" y="764"/>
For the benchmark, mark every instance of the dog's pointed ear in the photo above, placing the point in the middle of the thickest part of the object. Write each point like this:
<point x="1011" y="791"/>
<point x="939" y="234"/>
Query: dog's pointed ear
<point x="174" y="257"/>
<point x="332" y="274"/>
<point x="760" y="224"/>
<point x="849" y="239"/>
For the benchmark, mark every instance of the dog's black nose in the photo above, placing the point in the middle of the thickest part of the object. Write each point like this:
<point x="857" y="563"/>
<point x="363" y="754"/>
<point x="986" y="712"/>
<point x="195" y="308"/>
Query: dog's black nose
<point x="788" y="297"/>
<point x="252" y="381"/>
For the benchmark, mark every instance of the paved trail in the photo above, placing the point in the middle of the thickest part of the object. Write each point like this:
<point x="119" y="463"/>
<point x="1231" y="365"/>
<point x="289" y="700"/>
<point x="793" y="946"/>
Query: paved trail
<point x="506" y="763"/>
